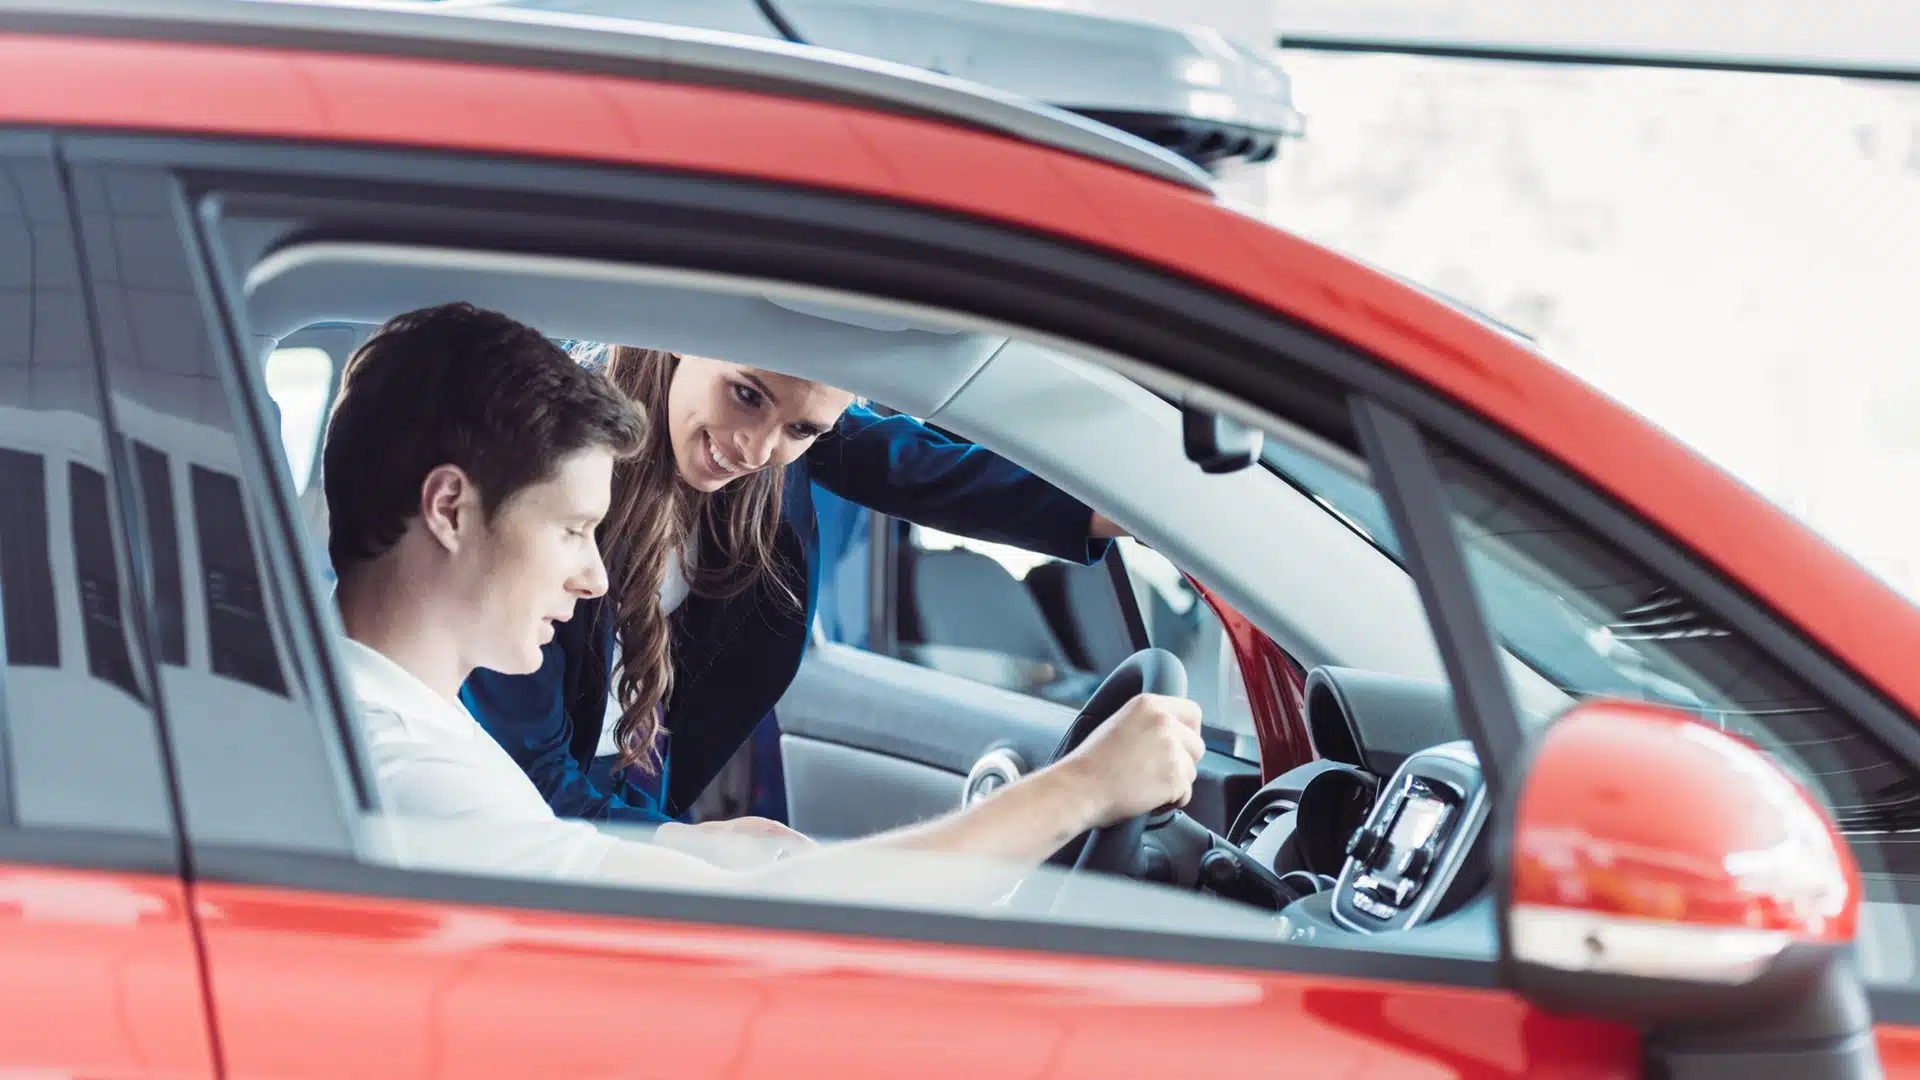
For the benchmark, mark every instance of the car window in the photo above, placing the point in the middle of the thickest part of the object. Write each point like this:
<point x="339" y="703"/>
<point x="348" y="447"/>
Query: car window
<point x="1179" y="621"/>
<point x="404" y="838"/>
<point x="977" y="610"/>
<point x="1594" y="622"/>
<point x="77" y="726"/>
<point x="239" y="705"/>
<point x="1017" y="620"/>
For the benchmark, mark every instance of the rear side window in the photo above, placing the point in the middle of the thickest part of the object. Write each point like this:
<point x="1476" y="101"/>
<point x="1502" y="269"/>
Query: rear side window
<point x="236" y="701"/>
<point x="82" y="749"/>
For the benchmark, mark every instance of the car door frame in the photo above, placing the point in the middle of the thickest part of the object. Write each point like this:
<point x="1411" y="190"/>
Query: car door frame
<point x="261" y="907"/>
<point x="205" y="164"/>
<point x="1183" y="348"/>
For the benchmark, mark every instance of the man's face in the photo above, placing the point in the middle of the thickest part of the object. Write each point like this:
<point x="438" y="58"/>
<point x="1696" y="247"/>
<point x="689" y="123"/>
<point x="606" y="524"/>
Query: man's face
<point x="534" y="562"/>
<point x="728" y="420"/>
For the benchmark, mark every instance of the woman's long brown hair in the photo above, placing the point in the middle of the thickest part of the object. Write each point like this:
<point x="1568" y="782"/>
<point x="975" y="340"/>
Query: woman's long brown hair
<point x="655" y="513"/>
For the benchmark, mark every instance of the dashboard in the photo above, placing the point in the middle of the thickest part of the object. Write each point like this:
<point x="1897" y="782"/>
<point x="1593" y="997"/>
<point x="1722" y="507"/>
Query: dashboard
<point x="1383" y="834"/>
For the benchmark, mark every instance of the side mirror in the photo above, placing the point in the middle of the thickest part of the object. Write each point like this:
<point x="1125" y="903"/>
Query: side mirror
<point x="1662" y="872"/>
<point x="1217" y="443"/>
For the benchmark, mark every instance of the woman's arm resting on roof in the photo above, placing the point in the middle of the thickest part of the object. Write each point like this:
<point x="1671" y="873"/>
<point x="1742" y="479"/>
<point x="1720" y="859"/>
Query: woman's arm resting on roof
<point x="899" y="466"/>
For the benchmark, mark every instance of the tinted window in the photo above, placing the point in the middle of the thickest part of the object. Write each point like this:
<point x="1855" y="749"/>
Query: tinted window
<point x="235" y="703"/>
<point x="84" y="751"/>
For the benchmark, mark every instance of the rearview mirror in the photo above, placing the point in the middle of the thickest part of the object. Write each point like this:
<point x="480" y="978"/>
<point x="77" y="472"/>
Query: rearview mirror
<point x="1665" y="873"/>
<point x="1217" y="443"/>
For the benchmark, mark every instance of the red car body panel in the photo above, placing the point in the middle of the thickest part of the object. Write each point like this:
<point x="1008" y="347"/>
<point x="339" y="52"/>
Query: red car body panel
<point x="101" y="977"/>
<point x="435" y="990"/>
<point x="1276" y="690"/>
<point x="313" y="985"/>
<point x="447" y="105"/>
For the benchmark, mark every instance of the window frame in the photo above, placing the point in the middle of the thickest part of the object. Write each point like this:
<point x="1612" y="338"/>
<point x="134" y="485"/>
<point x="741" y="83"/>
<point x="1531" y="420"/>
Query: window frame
<point x="1187" y="328"/>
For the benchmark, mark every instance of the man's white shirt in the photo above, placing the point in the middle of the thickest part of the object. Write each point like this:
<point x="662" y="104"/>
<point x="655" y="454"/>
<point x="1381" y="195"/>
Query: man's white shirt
<point x="453" y="797"/>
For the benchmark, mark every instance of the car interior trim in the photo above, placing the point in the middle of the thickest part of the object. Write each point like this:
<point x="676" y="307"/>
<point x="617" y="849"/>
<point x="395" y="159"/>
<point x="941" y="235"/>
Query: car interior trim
<point x="1455" y="838"/>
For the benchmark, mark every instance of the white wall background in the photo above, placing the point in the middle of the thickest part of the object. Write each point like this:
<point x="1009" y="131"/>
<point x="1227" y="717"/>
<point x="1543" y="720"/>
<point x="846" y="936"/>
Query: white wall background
<point x="1736" y="256"/>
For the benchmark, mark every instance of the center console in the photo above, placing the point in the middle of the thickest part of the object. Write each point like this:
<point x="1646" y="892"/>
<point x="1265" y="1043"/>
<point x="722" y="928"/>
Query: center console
<point x="1415" y="847"/>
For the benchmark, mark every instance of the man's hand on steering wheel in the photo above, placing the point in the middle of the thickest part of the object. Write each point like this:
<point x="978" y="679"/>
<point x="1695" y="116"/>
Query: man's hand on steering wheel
<point x="1143" y="758"/>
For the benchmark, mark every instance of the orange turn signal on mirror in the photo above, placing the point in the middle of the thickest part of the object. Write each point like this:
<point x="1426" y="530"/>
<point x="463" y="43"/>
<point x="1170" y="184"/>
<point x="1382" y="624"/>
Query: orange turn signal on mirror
<point x="1648" y="842"/>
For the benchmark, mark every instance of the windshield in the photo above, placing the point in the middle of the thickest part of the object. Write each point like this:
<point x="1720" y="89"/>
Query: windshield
<point x="1582" y="652"/>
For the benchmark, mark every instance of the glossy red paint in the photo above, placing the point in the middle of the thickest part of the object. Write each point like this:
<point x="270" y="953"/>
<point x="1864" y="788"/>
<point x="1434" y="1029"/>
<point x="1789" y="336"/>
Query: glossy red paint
<point x="436" y="991"/>
<point x="367" y="99"/>
<point x="1637" y="810"/>
<point x="1276" y="689"/>
<point x="99" y="978"/>
<point x="1899" y="1050"/>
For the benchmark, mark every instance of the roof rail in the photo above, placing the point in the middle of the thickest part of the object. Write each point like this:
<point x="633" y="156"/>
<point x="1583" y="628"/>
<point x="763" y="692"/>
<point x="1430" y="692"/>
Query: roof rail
<point x="530" y="38"/>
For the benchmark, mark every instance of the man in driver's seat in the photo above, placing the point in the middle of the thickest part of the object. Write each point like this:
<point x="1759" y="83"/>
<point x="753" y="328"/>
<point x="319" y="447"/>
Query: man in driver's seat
<point x="467" y="463"/>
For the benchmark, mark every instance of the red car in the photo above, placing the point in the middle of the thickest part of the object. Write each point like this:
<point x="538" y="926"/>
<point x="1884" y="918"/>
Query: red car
<point x="1563" y="754"/>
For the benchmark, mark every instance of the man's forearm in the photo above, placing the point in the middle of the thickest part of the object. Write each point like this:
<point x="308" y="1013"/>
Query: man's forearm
<point x="1022" y="823"/>
<point x="967" y="858"/>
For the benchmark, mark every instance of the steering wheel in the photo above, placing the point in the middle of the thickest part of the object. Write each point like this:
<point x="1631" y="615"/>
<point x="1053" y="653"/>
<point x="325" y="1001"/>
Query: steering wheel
<point x="1111" y="849"/>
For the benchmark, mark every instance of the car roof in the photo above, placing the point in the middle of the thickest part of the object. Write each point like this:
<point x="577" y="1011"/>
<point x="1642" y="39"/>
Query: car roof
<point x="1188" y="88"/>
<point x="582" y="43"/>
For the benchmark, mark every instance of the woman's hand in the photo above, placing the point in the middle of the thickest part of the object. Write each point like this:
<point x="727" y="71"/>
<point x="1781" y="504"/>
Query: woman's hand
<point x="763" y="828"/>
<point x="1103" y="528"/>
<point x="746" y="843"/>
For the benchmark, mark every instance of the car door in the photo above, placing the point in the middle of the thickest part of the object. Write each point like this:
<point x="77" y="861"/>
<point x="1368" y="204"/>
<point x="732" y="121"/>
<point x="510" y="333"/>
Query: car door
<point x="99" y="963"/>
<point x="326" y="960"/>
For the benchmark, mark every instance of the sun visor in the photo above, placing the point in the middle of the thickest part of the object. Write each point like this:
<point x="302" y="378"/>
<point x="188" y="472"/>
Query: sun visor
<point x="866" y="320"/>
<point x="878" y="355"/>
<point x="1187" y="89"/>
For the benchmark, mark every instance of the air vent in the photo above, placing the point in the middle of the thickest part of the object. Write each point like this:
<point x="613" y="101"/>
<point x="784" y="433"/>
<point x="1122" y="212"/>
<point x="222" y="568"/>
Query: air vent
<point x="1663" y="616"/>
<point x="1266" y="817"/>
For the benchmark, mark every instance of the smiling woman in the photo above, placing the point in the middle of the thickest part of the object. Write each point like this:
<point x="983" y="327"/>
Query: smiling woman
<point x="723" y="482"/>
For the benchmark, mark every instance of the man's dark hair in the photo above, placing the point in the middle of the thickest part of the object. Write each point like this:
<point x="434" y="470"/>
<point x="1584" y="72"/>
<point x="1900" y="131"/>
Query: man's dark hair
<point x="456" y="385"/>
